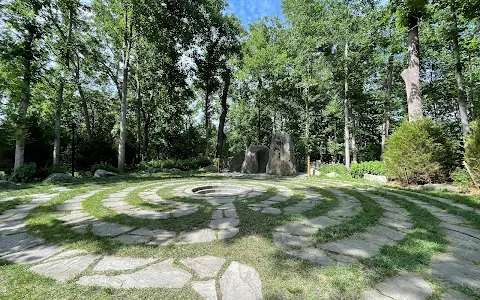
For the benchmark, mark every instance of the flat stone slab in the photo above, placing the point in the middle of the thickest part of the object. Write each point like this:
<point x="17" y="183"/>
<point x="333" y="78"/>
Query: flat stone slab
<point x="131" y="239"/>
<point x="395" y="223"/>
<point x="227" y="233"/>
<point x="462" y="229"/>
<point x="321" y="222"/>
<point x="113" y="263"/>
<point x="407" y="286"/>
<point x="17" y="242"/>
<point x="197" y="236"/>
<point x="271" y="211"/>
<point x="313" y="255"/>
<point x="34" y="254"/>
<point x="376" y="239"/>
<point x="204" y="266"/>
<point x="224" y="223"/>
<point x="456" y="270"/>
<point x="386" y="232"/>
<point x="297" y="229"/>
<point x="240" y="282"/>
<point x="282" y="239"/>
<point x="65" y="269"/>
<point x="352" y="247"/>
<point x="153" y="232"/>
<point x="342" y="213"/>
<point x="110" y="229"/>
<point x="206" y="289"/>
<point x="454" y="295"/>
<point x="159" y="275"/>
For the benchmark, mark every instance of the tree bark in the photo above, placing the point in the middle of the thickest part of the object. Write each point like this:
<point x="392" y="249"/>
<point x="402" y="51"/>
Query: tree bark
<point x="207" y="121"/>
<point x="58" y="111"/>
<point x="123" y="98"/>
<point x="462" y="105"/>
<point x="84" y="101"/>
<point x="139" y="105"/>
<point x="346" y="113"/>
<point x="223" y="115"/>
<point x="411" y="75"/>
<point x="386" y="104"/>
<point x="146" y="126"/>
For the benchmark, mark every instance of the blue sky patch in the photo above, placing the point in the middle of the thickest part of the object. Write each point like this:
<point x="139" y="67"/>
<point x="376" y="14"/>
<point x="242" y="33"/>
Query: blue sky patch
<point x="250" y="10"/>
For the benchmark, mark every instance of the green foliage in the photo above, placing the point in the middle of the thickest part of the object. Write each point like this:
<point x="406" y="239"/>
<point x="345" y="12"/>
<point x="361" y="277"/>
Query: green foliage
<point x="472" y="151"/>
<point x="193" y="163"/>
<point x="368" y="167"/>
<point x="337" y="168"/>
<point x="45" y="172"/>
<point x="461" y="178"/>
<point x="24" y="173"/>
<point x="419" y="152"/>
<point x="106" y="167"/>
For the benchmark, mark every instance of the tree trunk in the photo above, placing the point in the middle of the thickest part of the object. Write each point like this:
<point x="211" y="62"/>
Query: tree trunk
<point x="223" y="116"/>
<point x="123" y="98"/>
<point x="346" y="113"/>
<point x="462" y="105"/>
<point x="386" y="104"/>
<point x="58" y="112"/>
<point x="354" y="142"/>
<point x="207" y="121"/>
<point x="139" y="105"/>
<point x="84" y="101"/>
<point x="146" y="126"/>
<point x="411" y="75"/>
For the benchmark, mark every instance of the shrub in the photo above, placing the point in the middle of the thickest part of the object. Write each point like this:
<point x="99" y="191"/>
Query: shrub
<point x="106" y="167"/>
<point x="193" y="163"/>
<point x="24" y="173"/>
<point x="337" y="168"/>
<point x="419" y="152"/>
<point x="462" y="178"/>
<point x="472" y="151"/>
<point x="367" y="167"/>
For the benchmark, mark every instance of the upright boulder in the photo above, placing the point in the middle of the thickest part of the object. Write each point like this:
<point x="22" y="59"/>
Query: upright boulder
<point x="256" y="159"/>
<point x="281" y="160"/>
<point x="236" y="162"/>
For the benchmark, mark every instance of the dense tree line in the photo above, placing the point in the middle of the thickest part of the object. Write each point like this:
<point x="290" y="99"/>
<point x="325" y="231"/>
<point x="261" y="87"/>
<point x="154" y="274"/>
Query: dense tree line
<point x="142" y="79"/>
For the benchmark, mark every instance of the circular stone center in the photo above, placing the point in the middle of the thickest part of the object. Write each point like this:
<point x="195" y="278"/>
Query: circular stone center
<point x="219" y="190"/>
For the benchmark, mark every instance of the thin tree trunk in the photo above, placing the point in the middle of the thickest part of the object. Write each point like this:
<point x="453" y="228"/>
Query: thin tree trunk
<point x="58" y="112"/>
<point x="386" y="104"/>
<point x="146" y="126"/>
<point x="139" y="104"/>
<point x="207" y="121"/>
<point x="123" y="102"/>
<point x="354" y="142"/>
<point x="411" y="75"/>
<point x="462" y="105"/>
<point x="346" y="113"/>
<point x="223" y="116"/>
<point x="84" y="101"/>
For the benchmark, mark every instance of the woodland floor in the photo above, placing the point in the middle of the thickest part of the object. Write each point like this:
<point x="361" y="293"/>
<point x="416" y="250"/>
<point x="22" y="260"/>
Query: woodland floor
<point x="154" y="237"/>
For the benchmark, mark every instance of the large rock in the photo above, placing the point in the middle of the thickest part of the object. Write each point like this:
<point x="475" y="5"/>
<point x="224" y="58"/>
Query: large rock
<point x="236" y="162"/>
<point x="5" y="184"/>
<point x="57" y="177"/>
<point x="281" y="160"/>
<point x="375" y="178"/>
<point x="241" y="282"/>
<point x="103" y="173"/>
<point x="256" y="159"/>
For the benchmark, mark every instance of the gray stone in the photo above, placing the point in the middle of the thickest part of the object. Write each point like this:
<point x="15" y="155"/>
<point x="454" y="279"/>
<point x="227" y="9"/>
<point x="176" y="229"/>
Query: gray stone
<point x="281" y="159"/>
<point x="224" y="223"/>
<point x="375" y="178"/>
<point x="287" y="240"/>
<point x="159" y="275"/>
<point x="386" y="232"/>
<point x="65" y="269"/>
<point x="153" y="232"/>
<point x="206" y="289"/>
<point x="217" y="214"/>
<point x="472" y="255"/>
<point x="456" y="270"/>
<point x="230" y="213"/>
<point x="462" y="229"/>
<point x="17" y="242"/>
<point x="297" y="229"/>
<point x="103" y="173"/>
<point x="59" y="177"/>
<point x="376" y="239"/>
<point x="271" y="211"/>
<point x="240" y="282"/>
<point x="352" y="247"/>
<point x="406" y="286"/>
<point x="4" y="184"/>
<point x="342" y="213"/>
<point x="34" y="254"/>
<point x="131" y="239"/>
<point x="113" y="263"/>
<point x="332" y="175"/>
<point x="256" y="159"/>
<point x="313" y="255"/>
<point x="67" y="254"/>
<point x="160" y="241"/>
<point x="109" y="229"/>
<point x="454" y="295"/>
<point x="204" y="266"/>
<point x="236" y="162"/>
<point x="227" y="233"/>
<point x="321" y="222"/>
<point x="196" y="236"/>
<point x="183" y="212"/>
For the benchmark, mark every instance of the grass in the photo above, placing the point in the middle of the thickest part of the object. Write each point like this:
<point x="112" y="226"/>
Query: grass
<point x="283" y="277"/>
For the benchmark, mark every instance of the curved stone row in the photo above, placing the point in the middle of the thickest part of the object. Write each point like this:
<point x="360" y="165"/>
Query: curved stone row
<point x="393" y="227"/>
<point x="266" y="206"/>
<point x="80" y="220"/>
<point x="459" y="265"/>
<point x="18" y="246"/>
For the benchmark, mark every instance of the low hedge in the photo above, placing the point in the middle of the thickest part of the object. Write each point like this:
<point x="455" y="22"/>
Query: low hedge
<point x="367" y="167"/>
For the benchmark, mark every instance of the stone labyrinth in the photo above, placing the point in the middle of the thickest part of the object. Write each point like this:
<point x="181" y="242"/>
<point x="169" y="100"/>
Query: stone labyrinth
<point x="218" y="277"/>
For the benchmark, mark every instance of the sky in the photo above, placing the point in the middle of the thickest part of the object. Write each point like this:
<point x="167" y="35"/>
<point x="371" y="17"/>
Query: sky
<point x="250" y="10"/>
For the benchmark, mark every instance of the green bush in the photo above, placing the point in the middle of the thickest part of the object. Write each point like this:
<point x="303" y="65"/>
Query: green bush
<point x="472" y="151"/>
<point x="462" y="178"/>
<point x="337" y="168"/>
<point x="106" y="167"/>
<point x="193" y="163"/>
<point x="24" y="173"/>
<point x="367" y="167"/>
<point x="419" y="152"/>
